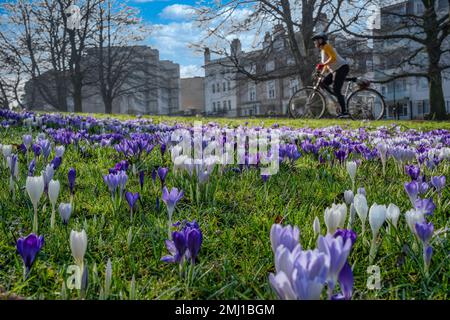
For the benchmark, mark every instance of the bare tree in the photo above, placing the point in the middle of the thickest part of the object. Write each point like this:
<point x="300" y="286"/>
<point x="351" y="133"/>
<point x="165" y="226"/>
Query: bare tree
<point x="300" y="19"/>
<point x="417" y="44"/>
<point x="113" y="56"/>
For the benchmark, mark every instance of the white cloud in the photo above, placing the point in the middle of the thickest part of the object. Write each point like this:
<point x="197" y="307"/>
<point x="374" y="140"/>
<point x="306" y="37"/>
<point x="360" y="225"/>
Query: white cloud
<point x="191" y="71"/>
<point x="178" y="12"/>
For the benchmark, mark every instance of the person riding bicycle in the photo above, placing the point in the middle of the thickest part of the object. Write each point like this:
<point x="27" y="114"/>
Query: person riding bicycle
<point x="337" y="67"/>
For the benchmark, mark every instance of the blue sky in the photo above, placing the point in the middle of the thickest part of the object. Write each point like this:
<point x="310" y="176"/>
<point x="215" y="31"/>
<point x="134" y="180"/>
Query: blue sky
<point x="174" y="29"/>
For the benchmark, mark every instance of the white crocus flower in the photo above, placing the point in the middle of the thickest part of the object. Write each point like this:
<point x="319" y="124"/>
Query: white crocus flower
<point x="351" y="169"/>
<point x="392" y="214"/>
<point x="53" y="193"/>
<point x="78" y="245"/>
<point x="316" y="226"/>
<point x="377" y="216"/>
<point x="349" y="196"/>
<point x="360" y="203"/>
<point x="35" y="188"/>
<point x="412" y="217"/>
<point x="335" y="217"/>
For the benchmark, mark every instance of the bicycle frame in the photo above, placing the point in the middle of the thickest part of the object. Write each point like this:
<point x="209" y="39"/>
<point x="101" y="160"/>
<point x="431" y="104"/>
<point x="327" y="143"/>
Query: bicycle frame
<point x="317" y="86"/>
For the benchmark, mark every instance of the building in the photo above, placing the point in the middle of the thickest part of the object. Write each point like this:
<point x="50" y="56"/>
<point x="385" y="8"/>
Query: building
<point x="149" y="86"/>
<point x="406" y="98"/>
<point x="264" y="80"/>
<point x="192" y="98"/>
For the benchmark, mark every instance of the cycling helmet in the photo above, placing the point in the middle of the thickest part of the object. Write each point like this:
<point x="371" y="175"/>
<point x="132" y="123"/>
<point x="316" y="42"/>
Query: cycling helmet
<point x="320" y="35"/>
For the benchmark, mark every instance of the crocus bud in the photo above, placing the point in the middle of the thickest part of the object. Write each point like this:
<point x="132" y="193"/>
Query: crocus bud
<point x="392" y="214"/>
<point x="316" y="227"/>
<point x="78" y="245"/>
<point x="53" y="191"/>
<point x="351" y="169"/>
<point x="377" y="216"/>
<point x="361" y="207"/>
<point x="35" y="188"/>
<point x="65" y="210"/>
<point x="59" y="151"/>
<point x="349" y="196"/>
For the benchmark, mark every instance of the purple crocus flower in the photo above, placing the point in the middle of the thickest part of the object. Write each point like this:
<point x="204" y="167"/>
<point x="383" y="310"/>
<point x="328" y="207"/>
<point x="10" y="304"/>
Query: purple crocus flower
<point x="71" y="176"/>
<point x="28" y="248"/>
<point x="154" y="174"/>
<point x="346" y="234"/>
<point x="27" y="140"/>
<point x="141" y="179"/>
<point x="425" y="206"/>
<point x="112" y="181"/>
<point x="162" y="173"/>
<point x="300" y="275"/>
<point x="131" y="199"/>
<point x="412" y="189"/>
<point x="337" y="250"/>
<point x="123" y="178"/>
<point x="185" y="244"/>
<point x="36" y="150"/>
<point x="194" y="239"/>
<point x="346" y="282"/>
<point x="177" y="248"/>
<point x="121" y="166"/>
<point x="46" y="148"/>
<point x="438" y="183"/>
<point x="32" y="168"/>
<point x="170" y="199"/>
<point x="265" y="177"/>
<point x="56" y="162"/>
<point x="424" y="231"/>
<point x="423" y="187"/>
<point x="287" y="236"/>
<point x="412" y="171"/>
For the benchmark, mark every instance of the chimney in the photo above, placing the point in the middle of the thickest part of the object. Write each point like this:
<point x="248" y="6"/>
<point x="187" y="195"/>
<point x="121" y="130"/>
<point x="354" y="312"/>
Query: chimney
<point x="267" y="40"/>
<point x="236" y="47"/>
<point x="207" y="55"/>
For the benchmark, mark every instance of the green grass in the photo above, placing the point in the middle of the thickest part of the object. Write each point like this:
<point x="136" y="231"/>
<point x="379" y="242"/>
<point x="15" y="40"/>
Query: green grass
<point x="236" y="256"/>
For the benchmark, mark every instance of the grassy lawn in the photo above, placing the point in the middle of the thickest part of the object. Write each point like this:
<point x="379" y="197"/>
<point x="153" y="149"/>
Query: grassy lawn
<point x="235" y="213"/>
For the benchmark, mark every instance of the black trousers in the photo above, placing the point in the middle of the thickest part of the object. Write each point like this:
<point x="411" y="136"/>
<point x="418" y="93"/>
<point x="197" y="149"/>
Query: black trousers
<point x="337" y="78"/>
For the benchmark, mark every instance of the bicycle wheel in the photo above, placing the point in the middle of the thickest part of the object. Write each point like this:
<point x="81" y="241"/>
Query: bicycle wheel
<point x="307" y="103"/>
<point x="366" y="104"/>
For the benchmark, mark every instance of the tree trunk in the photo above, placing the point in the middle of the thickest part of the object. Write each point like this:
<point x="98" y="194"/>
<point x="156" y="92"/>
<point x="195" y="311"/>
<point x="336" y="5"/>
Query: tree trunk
<point x="108" y="105"/>
<point x="437" y="101"/>
<point x="77" y="96"/>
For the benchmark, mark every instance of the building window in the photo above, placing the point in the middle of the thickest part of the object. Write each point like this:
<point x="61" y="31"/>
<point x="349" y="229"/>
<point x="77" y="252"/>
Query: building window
<point x="271" y="93"/>
<point x="229" y="85"/>
<point x="218" y="87"/>
<point x="293" y="84"/>
<point x="448" y="106"/>
<point x="270" y="66"/>
<point x="225" y="105"/>
<point x="213" y="88"/>
<point x="229" y="104"/>
<point x="426" y="106"/>
<point x="224" y="86"/>
<point x="214" y="106"/>
<point x="252" y="92"/>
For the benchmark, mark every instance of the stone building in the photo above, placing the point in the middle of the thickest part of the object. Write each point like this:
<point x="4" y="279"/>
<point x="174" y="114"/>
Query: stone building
<point x="231" y="89"/>
<point x="406" y="98"/>
<point x="192" y="98"/>
<point x="152" y="86"/>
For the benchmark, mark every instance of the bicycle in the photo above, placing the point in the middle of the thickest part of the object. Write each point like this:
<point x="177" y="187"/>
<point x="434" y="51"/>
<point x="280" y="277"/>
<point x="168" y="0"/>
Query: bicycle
<point x="363" y="103"/>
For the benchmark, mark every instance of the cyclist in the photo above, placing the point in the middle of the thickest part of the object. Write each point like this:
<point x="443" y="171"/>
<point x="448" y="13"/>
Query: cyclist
<point x="336" y="66"/>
